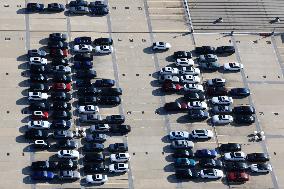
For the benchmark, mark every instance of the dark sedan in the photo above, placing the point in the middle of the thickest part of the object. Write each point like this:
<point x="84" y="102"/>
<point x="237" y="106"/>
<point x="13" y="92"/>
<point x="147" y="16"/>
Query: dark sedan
<point x="95" y="168"/>
<point x="236" y="166"/>
<point x="240" y="92"/>
<point x="230" y="147"/>
<point x="86" y="74"/>
<point x="246" y="110"/>
<point x="93" y="147"/>
<point x="225" y="50"/>
<point x="205" y="50"/>
<point x="210" y="163"/>
<point x="198" y="114"/>
<point x="244" y="119"/>
<point x="175" y="106"/>
<point x="55" y="7"/>
<point x="257" y="157"/>
<point x="194" y="96"/>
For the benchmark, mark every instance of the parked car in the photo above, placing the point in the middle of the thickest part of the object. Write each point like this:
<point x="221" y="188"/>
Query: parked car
<point x="84" y="65"/>
<point x="93" y="147"/>
<point x="83" y="57"/>
<point x="183" y="154"/>
<point x="41" y="144"/>
<point x="65" y="115"/>
<point x="103" y="41"/>
<point x="62" y="78"/>
<point x="96" y="179"/>
<point x="257" y="157"/>
<point x="86" y="74"/>
<point x="67" y="164"/>
<point x="40" y="115"/>
<point x="186" y="173"/>
<point x="260" y="168"/>
<point x="120" y="157"/>
<point x="60" y="61"/>
<point x="68" y="154"/>
<point x="244" y="119"/>
<point x="88" y="109"/>
<point x="42" y="175"/>
<point x="161" y="46"/>
<point x="222" y="119"/>
<point x="198" y="114"/>
<point x="55" y="7"/>
<point x="115" y="119"/>
<point x="184" y="162"/>
<point x="237" y="176"/>
<point x="240" y="92"/>
<point x="63" y="134"/>
<point x="67" y="144"/>
<point x="61" y="124"/>
<point x="182" y="144"/>
<point x="61" y="96"/>
<point x="235" y="156"/>
<point x="205" y="50"/>
<point x="194" y="96"/>
<point x="123" y="129"/>
<point x="182" y="54"/>
<point x="201" y="134"/>
<point x="205" y="153"/>
<point x="39" y="106"/>
<point x="39" y="69"/>
<point x="193" y="88"/>
<point x="95" y="168"/>
<point x="58" y="45"/>
<point x="59" y="53"/>
<point x="94" y="157"/>
<point x="118" y="147"/>
<point x="83" y="48"/>
<point x="39" y="87"/>
<point x="62" y="87"/>
<point x="236" y="166"/>
<point x="104" y="83"/>
<point x="216" y="91"/>
<point x="222" y="100"/>
<point x="209" y="66"/>
<point x="216" y="82"/>
<point x="225" y="50"/>
<point x="185" y="62"/>
<point x="175" y="106"/>
<point x="179" y="135"/>
<point x="210" y="163"/>
<point x="79" y="10"/>
<point x="77" y="3"/>
<point x="171" y="87"/>
<point x="61" y="69"/>
<point x="220" y="109"/>
<point x="96" y="137"/>
<point x="230" y="147"/>
<point x="35" y="7"/>
<point x="189" y="71"/>
<point x="83" y="40"/>
<point x="37" y="96"/>
<point x="60" y="105"/>
<point x="36" y="134"/>
<point x="118" y="168"/>
<point x="233" y="66"/>
<point x="245" y="110"/>
<point x="211" y="174"/>
<point x="91" y="118"/>
<point x="44" y="166"/>
<point x="208" y="58"/>
<point x="38" y="124"/>
<point x="57" y="37"/>
<point x="69" y="175"/>
<point x="38" y="61"/>
<point x="109" y="100"/>
<point x="104" y="49"/>
<point x="36" y="53"/>
<point x="197" y="105"/>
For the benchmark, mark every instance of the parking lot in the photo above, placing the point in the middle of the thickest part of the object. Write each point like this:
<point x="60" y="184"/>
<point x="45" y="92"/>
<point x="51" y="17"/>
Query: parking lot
<point x="134" y="26"/>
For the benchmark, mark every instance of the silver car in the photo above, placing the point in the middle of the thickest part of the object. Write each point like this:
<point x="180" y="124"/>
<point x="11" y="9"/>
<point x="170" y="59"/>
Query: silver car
<point x="69" y="175"/>
<point x="208" y="58"/>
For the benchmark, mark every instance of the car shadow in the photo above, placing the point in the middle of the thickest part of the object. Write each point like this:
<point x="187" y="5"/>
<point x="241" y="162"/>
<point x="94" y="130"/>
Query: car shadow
<point x="22" y="58"/>
<point x="43" y="41"/>
<point x="28" y="148"/>
<point x="21" y="139"/>
<point x="25" y="119"/>
<point x="165" y="139"/>
<point x="167" y="149"/>
<point x="148" y="50"/>
<point x="158" y="92"/>
<point x="28" y="180"/>
<point x="156" y="75"/>
<point x="22" y="11"/>
<point x="170" y="58"/>
<point x="22" y="101"/>
<point x="26" y="170"/>
<point x="25" y="73"/>
<point x="23" y="66"/>
<point x="169" y="168"/>
<point x="24" y="83"/>
<point x="172" y="179"/>
<point x="155" y="83"/>
<point x="25" y="92"/>
<point x="169" y="158"/>
<point x="183" y="119"/>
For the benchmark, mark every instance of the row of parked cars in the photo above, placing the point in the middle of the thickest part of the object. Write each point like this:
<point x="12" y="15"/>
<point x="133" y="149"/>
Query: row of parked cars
<point x="202" y="101"/>
<point x="98" y="7"/>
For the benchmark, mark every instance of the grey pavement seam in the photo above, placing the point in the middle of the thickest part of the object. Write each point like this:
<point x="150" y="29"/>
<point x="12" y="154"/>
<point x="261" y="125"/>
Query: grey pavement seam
<point x="258" y="126"/>
<point x="278" y="56"/>
<point x="121" y="110"/>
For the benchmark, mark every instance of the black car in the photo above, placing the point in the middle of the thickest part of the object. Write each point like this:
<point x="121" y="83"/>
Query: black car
<point x="55" y="7"/>
<point x="103" y="41"/>
<point x="86" y="74"/>
<point x="120" y="129"/>
<point x="36" y="53"/>
<point x="186" y="174"/>
<point x="97" y="4"/>
<point x="85" y="65"/>
<point x="110" y="91"/>
<point x="65" y="115"/>
<point x="61" y="106"/>
<point x="61" y="96"/>
<point x="221" y="110"/>
<point x="236" y="166"/>
<point x="77" y="3"/>
<point x="58" y="45"/>
<point x="230" y="147"/>
<point x="83" y="84"/>
<point x="88" y="91"/>
<point x="60" y="61"/>
<point x="183" y="154"/>
<point x="194" y="96"/>
<point x="66" y="144"/>
<point x="93" y="147"/>
<point x="118" y="147"/>
<point x="210" y="163"/>
<point x="104" y="83"/>
<point x="182" y="54"/>
<point x="109" y="100"/>
<point x="244" y="119"/>
<point x="62" y="78"/>
<point x="39" y="87"/>
<point x="67" y="164"/>
<point x="205" y="50"/>
<point x="83" y="40"/>
<point x="115" y="119"/>
<point x="39" y="106"/>
<point x="36" y="134"/>
<point x="245" y="110"/>
<point x="44" y="166"/>
<point x="257" y="157"/>
<point x="239" y="92"/>
<point x="197" y="114"/>
<point x="39" y="69"/>
<point x="94" y="157"/>
<point x="209" y="66"/>
<point x="87" y="100"/>
<point x="225" y="50"/>
<point x="83" y="57"/>
<point x="63" y="134"/>
<point x="95" y="168"/>
<point x="100" y="10"/>
<point x="175" y="106"/>
<point x="38" y="77"/>
<point x="35" y="7"/>
<point x="61" y="124"/>
<point x="216" y="91"/>
<point x="57" y="37"/>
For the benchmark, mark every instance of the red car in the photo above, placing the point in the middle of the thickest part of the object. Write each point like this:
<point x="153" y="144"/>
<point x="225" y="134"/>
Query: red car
<point x="237" y="176"/>
<point x="170" y="87"/>
<point x="40" y="115"/>
<point x="62" y="86"/>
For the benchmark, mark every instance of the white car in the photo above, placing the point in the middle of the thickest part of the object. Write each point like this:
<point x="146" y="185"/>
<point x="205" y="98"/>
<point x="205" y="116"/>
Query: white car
<point x="38" y="61"/>
<point x="184" y="62"/>
<point x="118" y="168"/>
<point x="62" y="69"/>
<point x="96" y="179"/>
<point x="189" y="71"/>
<point x="201" y="134"/>
<point x="233" y="66"/>
<point x="189" y="79"/>
<point x="120" y="157"/>
<point x="38" y="96"/>
<point x="261" y="168"/>
<point x="235" y="156"/>
<point x="99" y="128"/>
<point x="38" y="124"/>
<point x="208" y="58"/>
<point x="222" y="119"/>
<point x="182" y="144"/>
<point x="68" y="154"/>
<point x="161" y="46"/>
<point x="197" y="105"/>
<point x="211" y="173"/>
<point x="88" y="109"/>
<point x="83" y="48"/>
<point x="222" y="100"/>
<point x="174" y="79"/>
<point x="179" y="135"/>
<point x="169" y="71"/>
<point x="104" y="49"/>
<point x="193" y="87"/>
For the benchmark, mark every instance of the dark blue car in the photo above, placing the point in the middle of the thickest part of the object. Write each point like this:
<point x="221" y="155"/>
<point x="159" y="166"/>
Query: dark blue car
<point x="240" y="92"/>
<point x="102" y="10"/>
<point x="104" y="83"/>
<point x="83" y="65"/>
<point x="43" y="175"/>
<point x="83" y="40"/>
<point x="35" y="7"/>
<point x="205" y="153"/>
